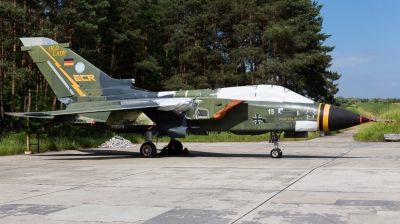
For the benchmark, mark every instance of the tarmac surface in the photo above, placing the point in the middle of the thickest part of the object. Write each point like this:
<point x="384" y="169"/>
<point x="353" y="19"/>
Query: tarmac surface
<point x="332" y="179"/>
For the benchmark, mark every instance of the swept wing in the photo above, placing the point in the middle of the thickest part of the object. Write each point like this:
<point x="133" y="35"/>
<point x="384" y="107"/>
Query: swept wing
<point x="165" y="104"/>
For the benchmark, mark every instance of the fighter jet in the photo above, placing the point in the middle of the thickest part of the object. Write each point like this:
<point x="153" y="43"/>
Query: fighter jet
<point x="95" y="100"/>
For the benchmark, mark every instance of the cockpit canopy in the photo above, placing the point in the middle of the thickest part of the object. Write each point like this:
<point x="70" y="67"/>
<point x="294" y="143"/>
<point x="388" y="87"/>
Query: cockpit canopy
<point x="270" y="93"/>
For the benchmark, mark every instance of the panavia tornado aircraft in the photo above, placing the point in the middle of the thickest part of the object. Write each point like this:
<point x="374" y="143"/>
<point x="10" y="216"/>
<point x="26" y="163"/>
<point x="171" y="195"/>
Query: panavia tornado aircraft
<point x="96" y="100"/>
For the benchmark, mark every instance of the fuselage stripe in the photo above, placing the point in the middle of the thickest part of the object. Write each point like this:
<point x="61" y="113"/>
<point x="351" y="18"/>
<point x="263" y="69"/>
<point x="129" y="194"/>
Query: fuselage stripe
<point x="326" y="117"/>
<point x="320" y="116"/>
<point x="59" y="76"/>
<point x="318" y="112"/>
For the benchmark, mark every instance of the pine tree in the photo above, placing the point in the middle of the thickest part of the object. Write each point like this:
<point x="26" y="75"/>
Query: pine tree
<point x="167" y="45"/>
<point x="296" y="57"/>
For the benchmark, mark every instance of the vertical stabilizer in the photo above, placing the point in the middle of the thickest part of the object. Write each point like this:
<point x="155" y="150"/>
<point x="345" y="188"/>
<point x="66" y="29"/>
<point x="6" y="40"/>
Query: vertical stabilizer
<point x="71" y="77"/>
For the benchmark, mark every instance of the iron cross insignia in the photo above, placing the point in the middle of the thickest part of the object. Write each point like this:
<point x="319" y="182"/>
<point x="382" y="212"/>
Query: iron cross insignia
<point x="257" y="119"/>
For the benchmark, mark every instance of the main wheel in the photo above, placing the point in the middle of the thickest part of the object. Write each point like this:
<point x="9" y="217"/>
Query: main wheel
<point x="148" y="150"/>
<point x="176" y="149"/>
<point x="276" y="153"/>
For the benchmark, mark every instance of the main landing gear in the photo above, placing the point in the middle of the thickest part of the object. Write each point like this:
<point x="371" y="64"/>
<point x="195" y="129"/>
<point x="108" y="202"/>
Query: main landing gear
<point x="274" y="138"/>
<point x="174" y="147"/>
<point x="149" y="150"/>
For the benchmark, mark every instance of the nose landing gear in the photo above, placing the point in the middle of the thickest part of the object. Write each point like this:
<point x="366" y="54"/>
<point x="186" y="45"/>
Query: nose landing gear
<point x="274" y="138"/>
<point x="276" y="153"/>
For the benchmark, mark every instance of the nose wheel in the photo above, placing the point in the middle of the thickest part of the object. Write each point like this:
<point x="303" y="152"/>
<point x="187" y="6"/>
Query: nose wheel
<point x="276" y="153"/>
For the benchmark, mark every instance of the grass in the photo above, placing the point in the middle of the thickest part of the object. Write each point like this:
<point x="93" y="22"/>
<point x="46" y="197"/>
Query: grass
<point x="374" y="131"/>
<point x="15" y="143"/>
<point x="372" y="110"/>
<point x="229" y="137"/>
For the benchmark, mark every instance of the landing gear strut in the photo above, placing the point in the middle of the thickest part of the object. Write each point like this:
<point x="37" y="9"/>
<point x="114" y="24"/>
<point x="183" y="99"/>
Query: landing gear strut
<point x="274" y="138"/>
<point x="148" y="149"/>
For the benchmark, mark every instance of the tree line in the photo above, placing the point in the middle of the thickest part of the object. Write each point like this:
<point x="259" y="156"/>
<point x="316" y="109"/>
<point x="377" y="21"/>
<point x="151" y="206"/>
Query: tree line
<point x="167" y="45"/>
<point x="342" y="101"/>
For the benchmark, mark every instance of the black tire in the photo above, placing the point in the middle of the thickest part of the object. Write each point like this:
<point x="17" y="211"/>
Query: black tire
<point x="276" y="153"/>
<point x="148" y="150"/>
<point x="176" y="149"/>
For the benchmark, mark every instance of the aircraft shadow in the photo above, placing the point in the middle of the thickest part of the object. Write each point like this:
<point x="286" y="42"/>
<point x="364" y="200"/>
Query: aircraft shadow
<point x="262" y="155"/>
<point x="94" y="155"/>
<point x="115" y="154"/>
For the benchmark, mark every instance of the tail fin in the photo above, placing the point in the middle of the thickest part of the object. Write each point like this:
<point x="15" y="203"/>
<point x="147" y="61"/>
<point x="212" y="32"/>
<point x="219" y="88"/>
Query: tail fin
<point x="70" y="76"/>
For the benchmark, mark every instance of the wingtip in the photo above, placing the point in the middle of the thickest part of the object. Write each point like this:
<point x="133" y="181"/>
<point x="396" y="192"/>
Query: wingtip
<point x="30" y="114"/>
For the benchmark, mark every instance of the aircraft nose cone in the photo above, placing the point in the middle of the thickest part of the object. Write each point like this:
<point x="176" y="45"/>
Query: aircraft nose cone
<point x="334" y="118"/>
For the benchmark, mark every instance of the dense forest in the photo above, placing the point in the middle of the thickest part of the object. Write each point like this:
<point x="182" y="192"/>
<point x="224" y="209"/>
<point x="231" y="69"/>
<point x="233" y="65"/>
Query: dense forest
<point x="167" y="45"/>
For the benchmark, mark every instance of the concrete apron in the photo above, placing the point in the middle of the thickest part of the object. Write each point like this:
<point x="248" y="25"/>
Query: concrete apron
<point x="330" y="179"/>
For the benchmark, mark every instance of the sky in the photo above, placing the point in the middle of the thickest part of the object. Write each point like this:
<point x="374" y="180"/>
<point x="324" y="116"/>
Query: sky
<point x="366" y="37"/>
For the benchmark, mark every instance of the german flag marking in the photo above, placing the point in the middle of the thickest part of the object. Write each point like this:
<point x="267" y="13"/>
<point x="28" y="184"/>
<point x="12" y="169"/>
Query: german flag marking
<point x="69" y="62"/>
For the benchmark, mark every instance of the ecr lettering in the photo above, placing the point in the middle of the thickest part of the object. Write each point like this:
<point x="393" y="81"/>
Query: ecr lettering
<point x="84" y="78"/>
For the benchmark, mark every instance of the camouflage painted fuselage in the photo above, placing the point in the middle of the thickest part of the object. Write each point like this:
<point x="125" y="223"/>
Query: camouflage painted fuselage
<point x="96" y="100"/>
